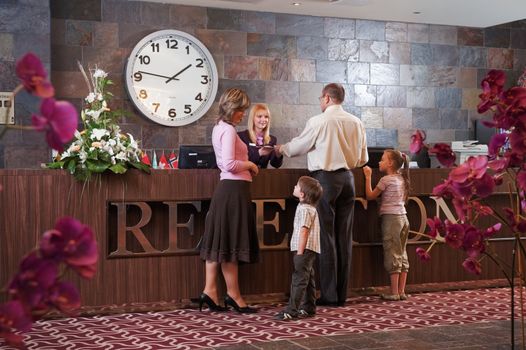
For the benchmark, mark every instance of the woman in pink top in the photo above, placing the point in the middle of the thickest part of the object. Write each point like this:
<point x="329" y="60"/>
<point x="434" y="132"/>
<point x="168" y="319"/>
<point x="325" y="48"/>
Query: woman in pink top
<point x="230" y="235"/>
<point x="393" y="189"/>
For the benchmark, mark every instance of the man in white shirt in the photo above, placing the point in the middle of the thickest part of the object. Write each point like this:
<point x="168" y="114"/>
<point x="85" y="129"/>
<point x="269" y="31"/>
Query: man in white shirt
<point x="335" y="143"/>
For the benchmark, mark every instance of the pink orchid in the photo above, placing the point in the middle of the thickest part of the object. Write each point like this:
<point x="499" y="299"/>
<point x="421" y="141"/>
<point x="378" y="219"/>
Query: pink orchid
<point x="473" y="168"/>
<point x="423" y="254"/>
<point x="483" y="210"/>
<point x="31" y="283"/>
<point x="444" y="189"/>
<point x="73" y="243"/>
<point x="473" y="242"/>
<point x="33" y="75"/>
<point x="65" y="297"/>
<point x="454" y="235"/>
<point x="470" y="183"/>
<point x="496" y="142"/>
<point x="490" y="231"/>
<point x="59" y="119"/>
<point x="417" y="141"/>
<point x="435" y="227"/>
<point x="13" y="316"/>
<point x="444" y="154"/>
<point x="491" y="86"/>
<point x="498" y="164"/>
<point x="472" y="265"/>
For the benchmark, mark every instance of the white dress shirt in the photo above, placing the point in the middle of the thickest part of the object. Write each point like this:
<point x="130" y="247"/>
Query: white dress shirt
<point x="332" y="140"/>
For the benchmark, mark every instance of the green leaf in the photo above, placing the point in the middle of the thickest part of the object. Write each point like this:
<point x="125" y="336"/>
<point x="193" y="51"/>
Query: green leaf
<point x="96" y="167"/>
<point x="71" y="165"/>
<point x="118" y="168"/>
<point x="141" y="166"/>
<point x="55" y="165"/>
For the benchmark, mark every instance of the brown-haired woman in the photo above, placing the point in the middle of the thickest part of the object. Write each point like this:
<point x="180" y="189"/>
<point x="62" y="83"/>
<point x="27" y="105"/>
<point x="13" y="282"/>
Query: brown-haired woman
<point x="230" y="232"/>
<point x="258" y="135"/>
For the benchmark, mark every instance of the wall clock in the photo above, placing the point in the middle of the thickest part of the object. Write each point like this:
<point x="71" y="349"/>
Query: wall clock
<point x="171" y="78"/>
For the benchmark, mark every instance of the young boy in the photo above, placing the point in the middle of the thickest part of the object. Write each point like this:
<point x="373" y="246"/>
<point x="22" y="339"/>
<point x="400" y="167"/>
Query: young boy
<point x="305" y="244"/>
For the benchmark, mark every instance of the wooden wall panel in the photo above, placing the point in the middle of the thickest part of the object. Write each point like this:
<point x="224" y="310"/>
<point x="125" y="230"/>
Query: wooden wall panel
<point x="32" y="200"/>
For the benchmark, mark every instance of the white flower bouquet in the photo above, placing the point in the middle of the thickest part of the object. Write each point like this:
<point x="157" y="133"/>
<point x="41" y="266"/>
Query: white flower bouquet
<point x="100" y="146"/>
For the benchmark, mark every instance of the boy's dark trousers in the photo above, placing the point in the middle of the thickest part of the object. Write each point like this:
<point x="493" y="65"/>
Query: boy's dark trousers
<point x="303" y="287"/>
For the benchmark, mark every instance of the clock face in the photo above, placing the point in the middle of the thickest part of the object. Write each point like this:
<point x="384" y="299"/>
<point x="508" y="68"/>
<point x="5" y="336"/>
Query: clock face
<point x="171" y="78"/>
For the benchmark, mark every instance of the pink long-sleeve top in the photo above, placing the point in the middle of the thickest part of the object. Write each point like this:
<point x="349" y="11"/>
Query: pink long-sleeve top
<point x="231" y="153"/>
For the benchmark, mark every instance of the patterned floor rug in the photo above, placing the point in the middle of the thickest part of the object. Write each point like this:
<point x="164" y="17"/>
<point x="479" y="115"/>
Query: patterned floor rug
<point x="191" y="329"/>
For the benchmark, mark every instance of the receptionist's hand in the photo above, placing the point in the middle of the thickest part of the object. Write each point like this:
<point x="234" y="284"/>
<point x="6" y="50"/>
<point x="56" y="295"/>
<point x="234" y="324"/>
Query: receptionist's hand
<point x="265" y="151"/>
<point x="367" y="171"/>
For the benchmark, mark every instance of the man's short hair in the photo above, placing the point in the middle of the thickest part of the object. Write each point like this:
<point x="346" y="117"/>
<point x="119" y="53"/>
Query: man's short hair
<point x="335" y="91"/>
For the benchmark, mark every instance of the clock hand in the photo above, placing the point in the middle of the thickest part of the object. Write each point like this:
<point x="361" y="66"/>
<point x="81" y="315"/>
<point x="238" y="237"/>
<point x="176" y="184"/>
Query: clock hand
<point x="155" y="75"/>
<point x="176" y="74"/>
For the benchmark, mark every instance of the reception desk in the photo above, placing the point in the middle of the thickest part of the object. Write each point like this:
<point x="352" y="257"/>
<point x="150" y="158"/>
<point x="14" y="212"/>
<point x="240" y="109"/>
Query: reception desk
<point x="148" y="227"/>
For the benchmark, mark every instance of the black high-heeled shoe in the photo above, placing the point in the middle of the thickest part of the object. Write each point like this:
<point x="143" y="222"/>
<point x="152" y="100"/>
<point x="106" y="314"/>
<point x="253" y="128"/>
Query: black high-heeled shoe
<point x="242" y="310"/>
<point x="205" y="299"/>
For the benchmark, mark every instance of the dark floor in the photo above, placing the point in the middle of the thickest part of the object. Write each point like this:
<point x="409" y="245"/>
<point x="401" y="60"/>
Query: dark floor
<point x="493" y="335"/>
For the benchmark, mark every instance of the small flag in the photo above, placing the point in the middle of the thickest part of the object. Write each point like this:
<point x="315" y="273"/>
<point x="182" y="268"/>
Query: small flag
<point x="145" y="159"/>
<point x="163" y="163"/>
<point x="172" y="160"/>
<point x="154" y="160"/>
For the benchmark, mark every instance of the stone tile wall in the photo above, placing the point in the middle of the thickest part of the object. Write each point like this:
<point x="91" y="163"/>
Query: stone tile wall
<point x="24" y="26"/>
<point x="398" y="76"/>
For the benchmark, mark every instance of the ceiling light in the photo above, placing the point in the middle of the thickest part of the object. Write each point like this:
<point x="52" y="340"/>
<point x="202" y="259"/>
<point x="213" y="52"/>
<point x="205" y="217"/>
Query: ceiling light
<point x="296" y="3"/>
<point x="416" y="12"/>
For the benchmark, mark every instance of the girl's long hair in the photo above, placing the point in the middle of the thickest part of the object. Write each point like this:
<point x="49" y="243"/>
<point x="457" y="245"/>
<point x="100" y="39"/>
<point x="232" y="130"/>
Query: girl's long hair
<point x="251" y="132"/>
<point x="401" y="164"/>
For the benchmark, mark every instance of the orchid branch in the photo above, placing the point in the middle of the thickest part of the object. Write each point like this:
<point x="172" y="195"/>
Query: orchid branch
<point x="500" y="267"/>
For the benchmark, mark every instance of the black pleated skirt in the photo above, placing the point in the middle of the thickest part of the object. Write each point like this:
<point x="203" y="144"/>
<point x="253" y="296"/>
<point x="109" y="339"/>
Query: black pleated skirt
<point x="230" y="228"/>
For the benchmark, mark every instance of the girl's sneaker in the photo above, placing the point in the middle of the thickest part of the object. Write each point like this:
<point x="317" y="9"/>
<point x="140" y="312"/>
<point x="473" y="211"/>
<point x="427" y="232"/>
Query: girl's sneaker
<point x="403" y="296"/>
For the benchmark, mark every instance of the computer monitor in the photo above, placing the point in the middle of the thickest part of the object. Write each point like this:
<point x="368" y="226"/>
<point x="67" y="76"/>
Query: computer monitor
<point x="197" y="157"/>
<point x="483" y="133"/>
<point x="375" y="155"/>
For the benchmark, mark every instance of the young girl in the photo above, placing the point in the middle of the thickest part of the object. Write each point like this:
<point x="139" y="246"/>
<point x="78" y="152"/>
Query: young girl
<point x="393" y="189"/>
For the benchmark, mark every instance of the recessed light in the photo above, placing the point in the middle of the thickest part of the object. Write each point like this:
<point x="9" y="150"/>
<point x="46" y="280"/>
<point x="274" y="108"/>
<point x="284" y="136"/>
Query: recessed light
<point x="296" y="3"/>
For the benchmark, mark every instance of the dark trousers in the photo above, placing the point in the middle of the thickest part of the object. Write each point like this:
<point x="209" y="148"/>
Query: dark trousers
<point x="336" y="212"/>
<point x="303" y="286"/>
